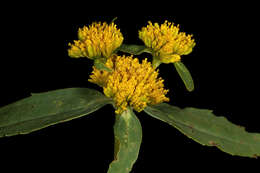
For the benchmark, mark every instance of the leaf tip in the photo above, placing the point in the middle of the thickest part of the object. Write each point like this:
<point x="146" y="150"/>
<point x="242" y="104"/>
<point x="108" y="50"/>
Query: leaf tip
<point x="190" y="89"/>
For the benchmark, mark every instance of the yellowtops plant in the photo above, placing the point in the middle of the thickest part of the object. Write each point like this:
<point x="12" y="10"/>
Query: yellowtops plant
<point x="166" y="42"/>
<point x="97" y="40"/>
<point x="130" y="83"/>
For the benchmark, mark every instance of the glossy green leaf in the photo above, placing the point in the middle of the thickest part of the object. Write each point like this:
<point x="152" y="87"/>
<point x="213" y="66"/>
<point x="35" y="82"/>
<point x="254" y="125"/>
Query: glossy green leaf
<point x="44" y="109"/>
<point x="205" y="128"/>
<point x="185" y="75"/>
<point x="134" y="49"/>
<point x="128" y="138"/>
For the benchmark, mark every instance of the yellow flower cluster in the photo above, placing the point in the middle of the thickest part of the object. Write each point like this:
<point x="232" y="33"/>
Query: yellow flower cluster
<point x="96" y="40"/>
<point x="130" y="83"/>
<point x="167" y="43"/>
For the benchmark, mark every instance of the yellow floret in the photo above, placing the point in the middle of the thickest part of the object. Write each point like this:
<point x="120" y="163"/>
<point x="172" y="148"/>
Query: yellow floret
<point x="130" y="83"/>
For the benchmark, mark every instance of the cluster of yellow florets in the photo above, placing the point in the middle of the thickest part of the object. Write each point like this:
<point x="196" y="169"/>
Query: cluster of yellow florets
<point x="96" y="40"/>
<point x="167" y="43"/>
<point x="130" y="83"/>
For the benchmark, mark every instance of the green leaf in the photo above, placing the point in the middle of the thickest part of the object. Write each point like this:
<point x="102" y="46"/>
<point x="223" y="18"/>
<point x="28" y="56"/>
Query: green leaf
<point x="156" y="62"/>
<point x="134" y="49"/>
<point x="100" y="65"/>
<point x="185" y="75"/>
<point x="128" y="138"/>
<point x="44" y="109"/>
<point x="202" y="126"/>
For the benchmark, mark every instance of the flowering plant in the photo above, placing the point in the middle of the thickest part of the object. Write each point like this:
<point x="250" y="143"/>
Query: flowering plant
<point x="129" y="85"/>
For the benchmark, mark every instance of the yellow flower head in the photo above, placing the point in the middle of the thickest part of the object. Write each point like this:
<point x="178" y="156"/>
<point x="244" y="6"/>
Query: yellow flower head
<point x="130" y="83"/>
<point x="166" y="41"/>
<point x="96" y="40"/>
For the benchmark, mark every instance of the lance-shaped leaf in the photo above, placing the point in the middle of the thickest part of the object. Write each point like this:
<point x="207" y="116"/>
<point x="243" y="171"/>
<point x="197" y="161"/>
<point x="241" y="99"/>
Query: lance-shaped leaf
<point x="128" y="138"/>
<point x="45" y="109"/>
<point x="134" y="49"/>
<point x="185" y="75"/>
<point x="205" y="128"/>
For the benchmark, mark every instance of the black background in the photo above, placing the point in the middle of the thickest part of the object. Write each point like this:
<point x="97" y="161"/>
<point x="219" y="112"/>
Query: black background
<point x="223" y="64"/>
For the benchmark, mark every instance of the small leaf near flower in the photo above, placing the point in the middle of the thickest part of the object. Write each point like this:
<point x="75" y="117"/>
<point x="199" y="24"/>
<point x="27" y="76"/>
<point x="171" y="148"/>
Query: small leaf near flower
<point x="134" y="49"/>
<point x="185" y="75"/>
